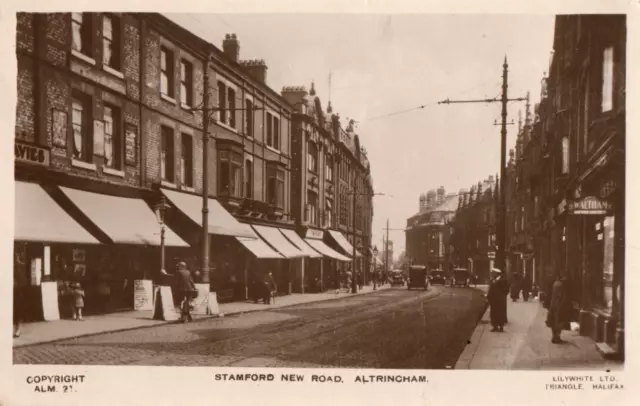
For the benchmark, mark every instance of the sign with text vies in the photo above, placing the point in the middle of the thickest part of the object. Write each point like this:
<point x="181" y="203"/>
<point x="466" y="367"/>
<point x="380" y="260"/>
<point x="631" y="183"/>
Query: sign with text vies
<point x="32" y="154"/>
<point x="589" y="205"/>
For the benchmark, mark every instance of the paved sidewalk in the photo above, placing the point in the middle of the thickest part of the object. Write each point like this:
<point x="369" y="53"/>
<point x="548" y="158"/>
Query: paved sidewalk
<point x="48" y="331"/>
<point x="526" y="344"/>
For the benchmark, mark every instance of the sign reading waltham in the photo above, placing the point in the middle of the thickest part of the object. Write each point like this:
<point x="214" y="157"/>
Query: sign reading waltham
<point x="589" y="205"/>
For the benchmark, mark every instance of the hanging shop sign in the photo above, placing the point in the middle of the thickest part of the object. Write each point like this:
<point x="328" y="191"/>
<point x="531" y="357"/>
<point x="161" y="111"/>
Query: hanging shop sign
<point x="589" y="205"/>
<point x="314" y="234"/>
<point x="32" y="154"/>
<point x="561" y="207"/>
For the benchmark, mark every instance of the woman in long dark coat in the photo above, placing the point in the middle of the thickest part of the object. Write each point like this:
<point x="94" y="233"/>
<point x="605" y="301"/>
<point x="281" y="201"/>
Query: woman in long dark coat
<point x="559" y="309"/>
<point x="497" y="297"/>
<point x="516" y="285"/>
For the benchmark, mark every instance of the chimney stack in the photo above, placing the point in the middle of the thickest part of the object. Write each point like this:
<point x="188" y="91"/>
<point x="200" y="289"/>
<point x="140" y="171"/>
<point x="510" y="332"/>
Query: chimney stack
<point x="256" y="68"/>
<point x="231" y="47"/>
<point x="294" y="95"/>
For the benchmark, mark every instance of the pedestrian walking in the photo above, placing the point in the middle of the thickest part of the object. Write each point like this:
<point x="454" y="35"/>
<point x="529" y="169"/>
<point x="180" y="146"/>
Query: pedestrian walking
<point x="559" y="309"/>
<point x="497" y="297"/>
<point x="271" y="287"/>
<point x="20" y="300"/>
<point x="78" y="301"/>
<point x="526" y="287"/>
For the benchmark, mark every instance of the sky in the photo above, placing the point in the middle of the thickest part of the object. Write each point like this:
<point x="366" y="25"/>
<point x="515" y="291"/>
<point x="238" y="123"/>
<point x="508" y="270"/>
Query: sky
<point x="381" y="65"/>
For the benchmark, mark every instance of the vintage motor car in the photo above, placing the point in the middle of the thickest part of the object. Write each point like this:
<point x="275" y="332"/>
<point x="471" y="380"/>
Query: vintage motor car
<point x="418" y="277"/>
<point x="461" y="277"/>
<point x="397" y="277"/>
<point x="437" y="277"/>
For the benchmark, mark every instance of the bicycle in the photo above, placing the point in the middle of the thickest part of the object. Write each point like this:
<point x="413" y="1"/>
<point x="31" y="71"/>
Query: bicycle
<point x="185" y="308"/>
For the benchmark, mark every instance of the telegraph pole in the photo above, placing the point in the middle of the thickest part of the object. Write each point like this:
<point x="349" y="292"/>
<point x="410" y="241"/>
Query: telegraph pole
<point x="501" y="204"/>
<point x="207" y="111"/>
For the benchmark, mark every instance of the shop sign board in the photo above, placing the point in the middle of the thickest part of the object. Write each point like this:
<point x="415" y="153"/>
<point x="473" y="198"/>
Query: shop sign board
<point x="590" y="205"/>
<point x="31" y="154"/>
<point x="491" y="255"/>
<point x="314" y="234"/>
<point x="50" y="309"/>
<point x="143" y="294"/>
<point x="164" y="309"/>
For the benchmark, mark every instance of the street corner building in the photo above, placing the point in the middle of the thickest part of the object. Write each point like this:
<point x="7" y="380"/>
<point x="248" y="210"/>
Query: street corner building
<point x="428" y="232"/>
<point x="127" y="123"/>
<point x="566" y="177"/>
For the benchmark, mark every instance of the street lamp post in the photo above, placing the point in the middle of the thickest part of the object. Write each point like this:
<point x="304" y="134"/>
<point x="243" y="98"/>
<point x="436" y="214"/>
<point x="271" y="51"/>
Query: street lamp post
<point x="375" y="256"/>
<point x="161" y="211"/>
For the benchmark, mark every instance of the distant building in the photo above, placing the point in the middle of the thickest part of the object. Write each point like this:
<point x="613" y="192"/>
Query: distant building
<point x="427" y="232"/>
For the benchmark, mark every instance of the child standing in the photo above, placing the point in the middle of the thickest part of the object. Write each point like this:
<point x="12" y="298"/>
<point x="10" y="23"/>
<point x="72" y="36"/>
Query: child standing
<point x="78" y="301"/>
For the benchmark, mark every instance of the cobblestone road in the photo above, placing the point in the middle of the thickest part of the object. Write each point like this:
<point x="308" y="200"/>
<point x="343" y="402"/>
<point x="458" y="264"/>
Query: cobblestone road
<point x="395" y="328"/>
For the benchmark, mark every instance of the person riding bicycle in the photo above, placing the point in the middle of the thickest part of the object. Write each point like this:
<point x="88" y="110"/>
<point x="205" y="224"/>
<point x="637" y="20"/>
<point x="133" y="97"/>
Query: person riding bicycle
<point x="184" y="288"/>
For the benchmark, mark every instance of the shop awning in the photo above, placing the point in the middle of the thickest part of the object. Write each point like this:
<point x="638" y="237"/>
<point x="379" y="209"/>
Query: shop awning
<point x="259" y="248"/>
<point x="343" y="242"/>
<point x="39" y="218"/>
<point x="325" y="250"/>
<point x="221" y="222"/>
<point x="124" y="220"/>
<point x="299" y="242"/>
<point x="277" y="240"/>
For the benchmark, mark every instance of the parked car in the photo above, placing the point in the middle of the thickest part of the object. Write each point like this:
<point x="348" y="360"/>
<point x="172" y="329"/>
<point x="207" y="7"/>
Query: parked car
<point x="418" y="277"/>
<point x="437" y="277"/>
<point x="461" y="277"/>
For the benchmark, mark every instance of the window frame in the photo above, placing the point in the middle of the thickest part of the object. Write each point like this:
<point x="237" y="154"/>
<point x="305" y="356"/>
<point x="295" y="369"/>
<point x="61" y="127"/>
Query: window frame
<point x="167" y="72"/>
<point x="273" y="131"/>
<point x="312" y="157"/>
<point x="248" y="178"/>
<point x="222" y="101"/>
<point x="186" y="83"/>
<point x="116" y="135"/>
<point x="607" y="89"/>
<point x="249" y="119"/>
<point x="312" y="209"/>
<point x="233" y="159"/>
<point x="116" y="59"/>
<point x="86" y="129"/>
<point x="85" y="31"/>
<point x="167" y="154"/>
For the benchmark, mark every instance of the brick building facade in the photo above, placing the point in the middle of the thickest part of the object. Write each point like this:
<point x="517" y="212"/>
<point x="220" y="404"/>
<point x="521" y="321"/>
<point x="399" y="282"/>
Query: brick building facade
<point x="568" y="175"/>
<point x="109" y="123"/>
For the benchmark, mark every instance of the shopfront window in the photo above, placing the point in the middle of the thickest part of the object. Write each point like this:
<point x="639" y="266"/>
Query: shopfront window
<point x="607" y="271"/>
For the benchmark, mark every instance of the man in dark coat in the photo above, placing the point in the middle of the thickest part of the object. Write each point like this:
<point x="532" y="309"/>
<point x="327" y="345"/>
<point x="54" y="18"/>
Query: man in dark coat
<point x="497" y="297"/>
<point x="559" y="309"/>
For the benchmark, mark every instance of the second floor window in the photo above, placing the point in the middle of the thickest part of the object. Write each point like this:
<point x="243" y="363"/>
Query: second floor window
<point x="328" y="213"/>
<point x="112" y="137"/>
<point x="312" y="208"/>
<point x="275" y="186"/>
<point x="231" y="105"/>
<point x="81" y="33"/>
<point x="167" y="155"/>
<point x="186" y="83"/>
<point x="273" y="131"/>
<point x="82" y="129"/>
<point x="607" y="79"/>
<point x="186" y="161"/>
<point x="329" y="168"/>
<point x="248" y="121"/>
<point x="166" y="72"/>
<point x="229" y="173"/>
<point x="111" y="42"/>
<point x="312" y="156"/>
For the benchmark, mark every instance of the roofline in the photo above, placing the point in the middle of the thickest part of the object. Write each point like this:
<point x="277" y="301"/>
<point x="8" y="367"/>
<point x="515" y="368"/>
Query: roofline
<point x="164" y="22"/>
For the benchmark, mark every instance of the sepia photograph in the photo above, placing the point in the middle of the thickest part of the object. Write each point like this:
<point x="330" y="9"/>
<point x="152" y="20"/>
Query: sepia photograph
<point x="323" y="198"/>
